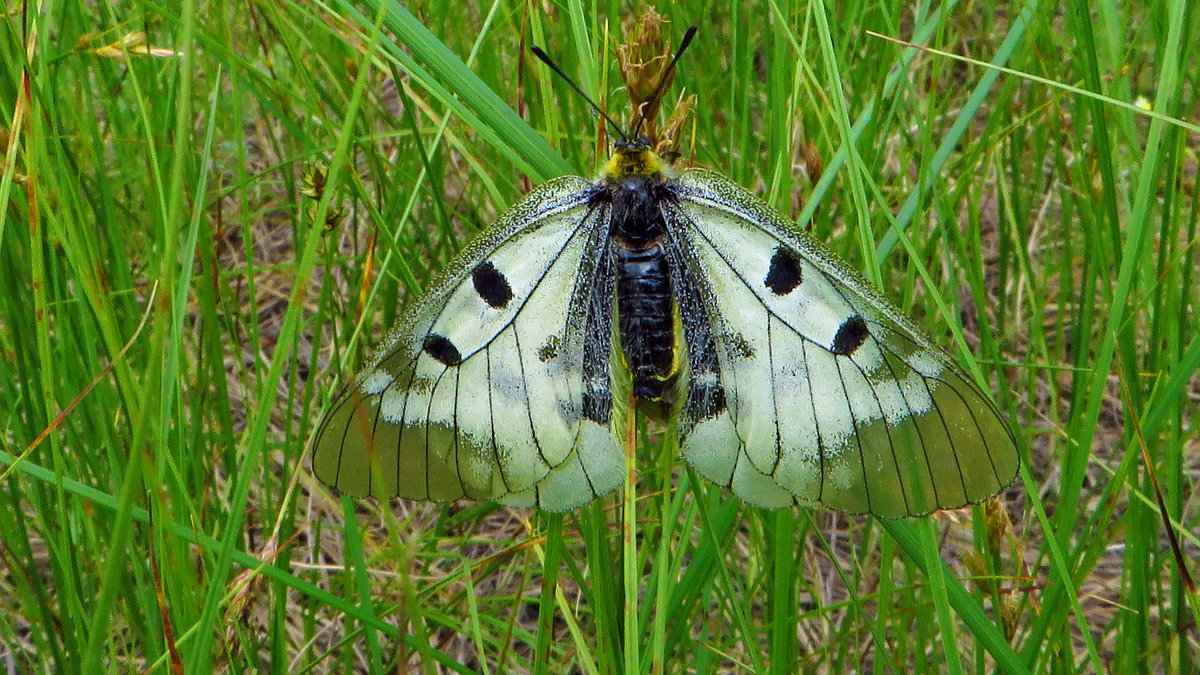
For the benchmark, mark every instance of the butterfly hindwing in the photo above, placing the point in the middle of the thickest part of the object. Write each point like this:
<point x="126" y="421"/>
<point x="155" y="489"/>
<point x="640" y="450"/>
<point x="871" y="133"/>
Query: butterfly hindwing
<point x="480" y="391"/>
<point x="828" y="394"/>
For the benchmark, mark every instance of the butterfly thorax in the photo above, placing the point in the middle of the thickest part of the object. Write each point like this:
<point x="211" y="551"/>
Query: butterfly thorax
<point x="634" y="190"/>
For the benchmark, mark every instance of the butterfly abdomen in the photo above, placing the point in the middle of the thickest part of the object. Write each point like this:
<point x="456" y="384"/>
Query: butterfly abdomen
<point x="646" y="319"/>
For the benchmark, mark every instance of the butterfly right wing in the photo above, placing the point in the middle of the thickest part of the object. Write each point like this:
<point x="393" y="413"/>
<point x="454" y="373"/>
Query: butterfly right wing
<point x="807" y="386"/>
<point x="495" y="384"/>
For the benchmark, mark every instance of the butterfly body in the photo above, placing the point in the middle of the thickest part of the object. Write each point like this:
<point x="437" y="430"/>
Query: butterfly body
<point x="645" y="307"/>
<point x="784" y="376"/>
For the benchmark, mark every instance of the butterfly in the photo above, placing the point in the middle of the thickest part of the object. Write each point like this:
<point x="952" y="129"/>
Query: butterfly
<point x="782" y="374"/>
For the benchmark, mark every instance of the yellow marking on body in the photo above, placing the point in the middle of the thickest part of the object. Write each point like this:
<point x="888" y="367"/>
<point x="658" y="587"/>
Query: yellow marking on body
<point x="629" y="163"/>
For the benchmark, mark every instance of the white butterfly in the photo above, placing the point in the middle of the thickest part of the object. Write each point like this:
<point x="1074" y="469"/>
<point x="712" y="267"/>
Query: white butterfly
<point x="784" y="376"/>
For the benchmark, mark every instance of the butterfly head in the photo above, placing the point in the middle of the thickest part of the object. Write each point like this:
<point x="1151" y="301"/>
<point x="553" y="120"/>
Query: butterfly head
<point x="633" y="157"/>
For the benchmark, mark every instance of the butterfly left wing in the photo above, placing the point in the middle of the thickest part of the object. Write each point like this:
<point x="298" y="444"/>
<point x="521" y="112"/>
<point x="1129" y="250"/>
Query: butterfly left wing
<point x="807" y="386"/>
<point x="496" y="384"/>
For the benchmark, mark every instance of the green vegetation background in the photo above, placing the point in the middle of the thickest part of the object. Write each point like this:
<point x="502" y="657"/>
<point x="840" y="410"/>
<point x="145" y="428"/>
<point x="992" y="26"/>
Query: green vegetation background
<point x="176" y="308"/>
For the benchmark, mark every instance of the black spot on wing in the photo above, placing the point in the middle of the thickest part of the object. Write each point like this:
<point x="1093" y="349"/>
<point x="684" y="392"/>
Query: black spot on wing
<point x="784" y="274"/>
<point x="850" y="336"/>
<point x="549" y="349"/>
<point x="491" y="285"/>
<point x="737" y="346"/>
<point x="441" y="349"/>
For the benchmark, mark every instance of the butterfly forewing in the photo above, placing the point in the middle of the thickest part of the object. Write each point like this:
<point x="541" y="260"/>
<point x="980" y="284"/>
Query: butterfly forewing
<point x="479" y="392"/>
<point x="831" y="396"/>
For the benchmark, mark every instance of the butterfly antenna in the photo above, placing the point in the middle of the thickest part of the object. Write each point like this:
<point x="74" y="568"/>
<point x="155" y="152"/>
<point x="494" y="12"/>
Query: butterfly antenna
<point x="666" y="76"/>
<point x="537" y="51"/>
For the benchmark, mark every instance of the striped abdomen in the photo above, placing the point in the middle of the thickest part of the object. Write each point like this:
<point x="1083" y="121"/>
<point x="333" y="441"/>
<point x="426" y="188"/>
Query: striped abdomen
<point x="646" y="318"/>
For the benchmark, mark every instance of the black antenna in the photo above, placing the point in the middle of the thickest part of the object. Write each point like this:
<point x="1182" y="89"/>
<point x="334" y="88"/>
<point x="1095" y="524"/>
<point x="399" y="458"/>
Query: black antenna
<point x="537" y="51"/>
<point x="666" y="76"/>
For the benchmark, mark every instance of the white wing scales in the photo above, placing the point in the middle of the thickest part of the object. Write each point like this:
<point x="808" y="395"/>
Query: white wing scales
<point x="478" y="392"/>
<point x="831" y="396"/>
